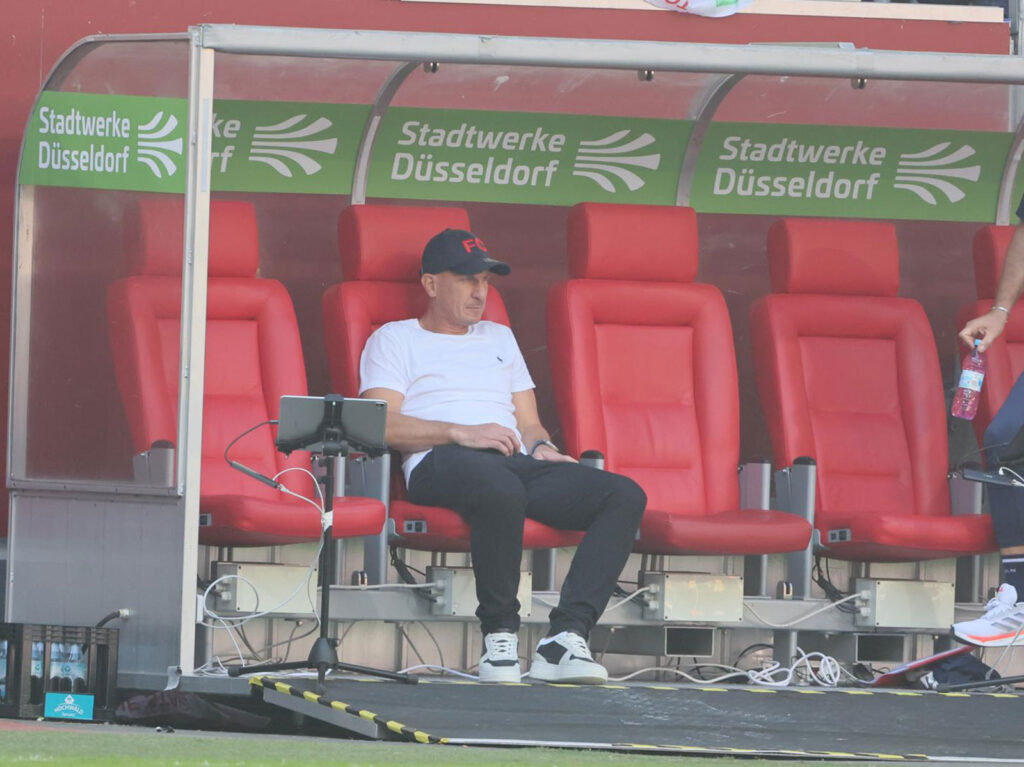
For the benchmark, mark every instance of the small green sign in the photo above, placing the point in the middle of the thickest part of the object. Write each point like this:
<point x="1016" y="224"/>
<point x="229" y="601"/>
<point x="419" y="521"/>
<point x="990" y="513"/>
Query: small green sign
<point x="822" y="170"/>
<point x="524" y="157"/>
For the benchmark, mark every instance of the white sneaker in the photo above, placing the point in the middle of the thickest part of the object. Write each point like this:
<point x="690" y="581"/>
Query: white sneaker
<point x="500" y="661"/>
<point x="1001" y="625"/>
<point x="566" y="658"/>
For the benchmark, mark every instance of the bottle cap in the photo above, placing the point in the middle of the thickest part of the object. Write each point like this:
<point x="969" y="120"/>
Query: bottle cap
<point x="977" y="342"/>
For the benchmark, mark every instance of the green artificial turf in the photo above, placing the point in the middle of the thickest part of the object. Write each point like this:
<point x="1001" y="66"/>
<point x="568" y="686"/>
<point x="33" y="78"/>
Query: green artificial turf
<point x="143" y="747"/>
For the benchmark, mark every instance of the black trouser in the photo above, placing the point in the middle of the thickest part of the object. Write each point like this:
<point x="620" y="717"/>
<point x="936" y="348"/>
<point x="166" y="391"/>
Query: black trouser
<point x="495" y="493"/>
<point x="1006" y="504"/>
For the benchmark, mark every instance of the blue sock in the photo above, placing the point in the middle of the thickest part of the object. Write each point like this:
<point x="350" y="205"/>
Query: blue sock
<point x="1013" y="573"/>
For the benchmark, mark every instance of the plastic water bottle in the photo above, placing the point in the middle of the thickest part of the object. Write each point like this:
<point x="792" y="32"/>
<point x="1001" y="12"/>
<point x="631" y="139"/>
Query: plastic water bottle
<point x="968" y="392"/>
<point x="36" y="674"/>
<point x="78" y="668"/>
<point x="3" y="670"/>
<point x="60" y="680"/>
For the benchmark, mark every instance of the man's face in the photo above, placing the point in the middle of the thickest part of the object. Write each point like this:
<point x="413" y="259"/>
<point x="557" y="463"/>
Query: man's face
<point x="459" y="299"/>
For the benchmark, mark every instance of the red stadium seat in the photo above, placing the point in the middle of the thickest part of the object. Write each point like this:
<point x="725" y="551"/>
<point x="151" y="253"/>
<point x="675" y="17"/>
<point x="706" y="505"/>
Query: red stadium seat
<point x="381" y="246"/>
<point x="1006" y="356"/>
<point x="253" y="356"/>
<point x="644" y="371"/>
<point x="848" y="375"/>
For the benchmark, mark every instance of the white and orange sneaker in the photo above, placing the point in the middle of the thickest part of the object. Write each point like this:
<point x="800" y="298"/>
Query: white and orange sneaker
<point x="1000" y="626"/>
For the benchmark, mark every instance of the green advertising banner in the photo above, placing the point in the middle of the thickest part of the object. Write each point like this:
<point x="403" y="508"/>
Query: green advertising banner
<point x="529" y="158"/>
<point x="135" y="142"/>
<point x="106" y="142"/>
<point x="285" y="147"/>
<point x="822" y="170"/>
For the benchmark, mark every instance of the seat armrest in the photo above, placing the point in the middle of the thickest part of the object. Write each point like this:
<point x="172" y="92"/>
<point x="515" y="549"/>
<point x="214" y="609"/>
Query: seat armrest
<point x="795" y="493"/>
<point x="368" y="477"/>
<point x="756" y="484"/>
<point x="964" y="494"/>
<point x="155" y="466"/>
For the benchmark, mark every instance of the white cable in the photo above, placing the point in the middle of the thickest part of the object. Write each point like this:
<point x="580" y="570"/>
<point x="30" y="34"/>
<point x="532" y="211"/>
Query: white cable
<point x="228" y="623"/>
<point x="615" y="606"/>
<point x="443" y="669"/>
<point x="677" y="672"/>
<point x="1004" y="470"/>
<point x="828" y="674"/>
<point x="623" y="601"/>
<point x="804" y="617"/>
<point x="431" y="584"/>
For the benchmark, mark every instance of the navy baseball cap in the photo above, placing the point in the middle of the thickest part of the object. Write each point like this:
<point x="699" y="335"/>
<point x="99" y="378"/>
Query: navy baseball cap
<point x="459" y="251"/>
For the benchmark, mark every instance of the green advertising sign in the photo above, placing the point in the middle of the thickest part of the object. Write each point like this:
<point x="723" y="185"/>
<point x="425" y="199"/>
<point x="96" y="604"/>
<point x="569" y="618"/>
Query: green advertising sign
<point x="822" y="170"/>
<point x="135" y="142"/>
<point x="106" y="142"/>
<point x="522" y="157"/>
<point x="285" y="147"/>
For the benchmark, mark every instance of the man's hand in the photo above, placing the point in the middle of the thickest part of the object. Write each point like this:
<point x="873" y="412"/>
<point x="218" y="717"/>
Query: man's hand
<point x="987" y="327"/>
<point x="548" y="453"/>
<point x="492" y="436"/>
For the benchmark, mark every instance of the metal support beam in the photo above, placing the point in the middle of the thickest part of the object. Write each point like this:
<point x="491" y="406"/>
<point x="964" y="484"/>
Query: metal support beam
<point x="794" y="489"/>
<point x="792" y="60"/>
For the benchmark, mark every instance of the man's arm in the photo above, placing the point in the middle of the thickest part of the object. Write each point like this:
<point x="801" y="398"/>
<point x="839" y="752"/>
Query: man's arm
<point x="988" y="326"/>
<point x="410" y="435"/>
<point x="528" y="421"/>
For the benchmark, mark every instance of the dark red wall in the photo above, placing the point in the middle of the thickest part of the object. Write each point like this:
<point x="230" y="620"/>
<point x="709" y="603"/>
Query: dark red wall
<point x="37" y="33"/>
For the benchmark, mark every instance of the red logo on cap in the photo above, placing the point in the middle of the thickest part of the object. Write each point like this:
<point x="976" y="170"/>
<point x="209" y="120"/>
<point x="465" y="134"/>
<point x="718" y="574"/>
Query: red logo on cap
<point x="474" y="242"/>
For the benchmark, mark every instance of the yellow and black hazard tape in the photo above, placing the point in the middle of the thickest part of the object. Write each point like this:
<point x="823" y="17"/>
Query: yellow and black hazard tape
<point x="398" y="728"/>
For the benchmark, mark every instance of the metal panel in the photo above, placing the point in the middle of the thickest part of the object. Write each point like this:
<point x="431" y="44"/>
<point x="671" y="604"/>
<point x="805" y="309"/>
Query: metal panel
<point x="74" y="559"/>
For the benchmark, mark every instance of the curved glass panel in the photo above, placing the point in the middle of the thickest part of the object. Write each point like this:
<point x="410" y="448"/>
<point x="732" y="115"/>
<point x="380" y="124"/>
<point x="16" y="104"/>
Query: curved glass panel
<point x="107" y="134"/>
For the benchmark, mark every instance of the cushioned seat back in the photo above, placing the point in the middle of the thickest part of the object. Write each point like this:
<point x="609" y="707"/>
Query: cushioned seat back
<point x="848" y="372"/>
<point x="1006" y="355"/>
<point x="253" y="352"/>
<point x="381" y="247"/>
<point x="642" y="358"/>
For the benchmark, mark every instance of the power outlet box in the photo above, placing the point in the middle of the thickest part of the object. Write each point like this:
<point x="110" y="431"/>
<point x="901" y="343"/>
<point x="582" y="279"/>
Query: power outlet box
<point x="693" y="597"/>
<point x="272" y="584"/>
<point x="456" y="591"/>
<point x="905" y="604"/>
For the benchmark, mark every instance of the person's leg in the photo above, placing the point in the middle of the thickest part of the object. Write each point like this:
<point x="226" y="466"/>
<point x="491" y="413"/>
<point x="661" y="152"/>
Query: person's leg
<point x="1003" y="621"/>
<point x="1006" y="504"/>
<point x="479" y="486"/>
<point x="608" y="506"/>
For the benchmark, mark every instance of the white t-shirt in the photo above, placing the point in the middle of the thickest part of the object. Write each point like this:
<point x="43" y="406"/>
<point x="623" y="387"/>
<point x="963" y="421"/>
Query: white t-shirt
<point x="467" y="379"/>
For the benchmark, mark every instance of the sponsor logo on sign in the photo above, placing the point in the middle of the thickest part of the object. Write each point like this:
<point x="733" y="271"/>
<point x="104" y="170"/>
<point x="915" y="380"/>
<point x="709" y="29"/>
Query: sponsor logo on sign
<point x="155" y="149"/>
<point x="58" y="705"/>
<point x="286" y="150"/>
<point x="925" y="173"/>
<point x="603" y="159"/>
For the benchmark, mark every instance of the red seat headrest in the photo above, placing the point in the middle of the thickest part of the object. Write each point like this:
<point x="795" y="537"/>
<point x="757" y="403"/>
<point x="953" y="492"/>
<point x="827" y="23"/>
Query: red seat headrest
<point x="234" y="239"/>
<point x="852" y="258"/>
<point x="632" y="242"/>
<point x="990" y="246"/>
<point x="385" y="242"/>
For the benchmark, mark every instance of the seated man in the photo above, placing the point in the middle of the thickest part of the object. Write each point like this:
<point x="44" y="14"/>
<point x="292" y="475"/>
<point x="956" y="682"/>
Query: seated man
<point x="462" y="411"/>
<point x="1003" y="621"/>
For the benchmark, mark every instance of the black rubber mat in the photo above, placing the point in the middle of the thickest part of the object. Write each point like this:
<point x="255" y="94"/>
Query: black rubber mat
<point x="890" y="725"/>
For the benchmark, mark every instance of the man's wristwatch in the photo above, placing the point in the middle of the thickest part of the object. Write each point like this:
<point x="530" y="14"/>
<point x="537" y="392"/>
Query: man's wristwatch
<point x="540" y="442"/>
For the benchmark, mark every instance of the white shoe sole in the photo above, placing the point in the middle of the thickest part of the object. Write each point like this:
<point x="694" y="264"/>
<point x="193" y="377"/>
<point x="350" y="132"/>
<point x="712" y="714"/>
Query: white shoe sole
<point x="542" y="671"/>
<point x="1001" y="641"/>
<point x="499" y="674"/>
